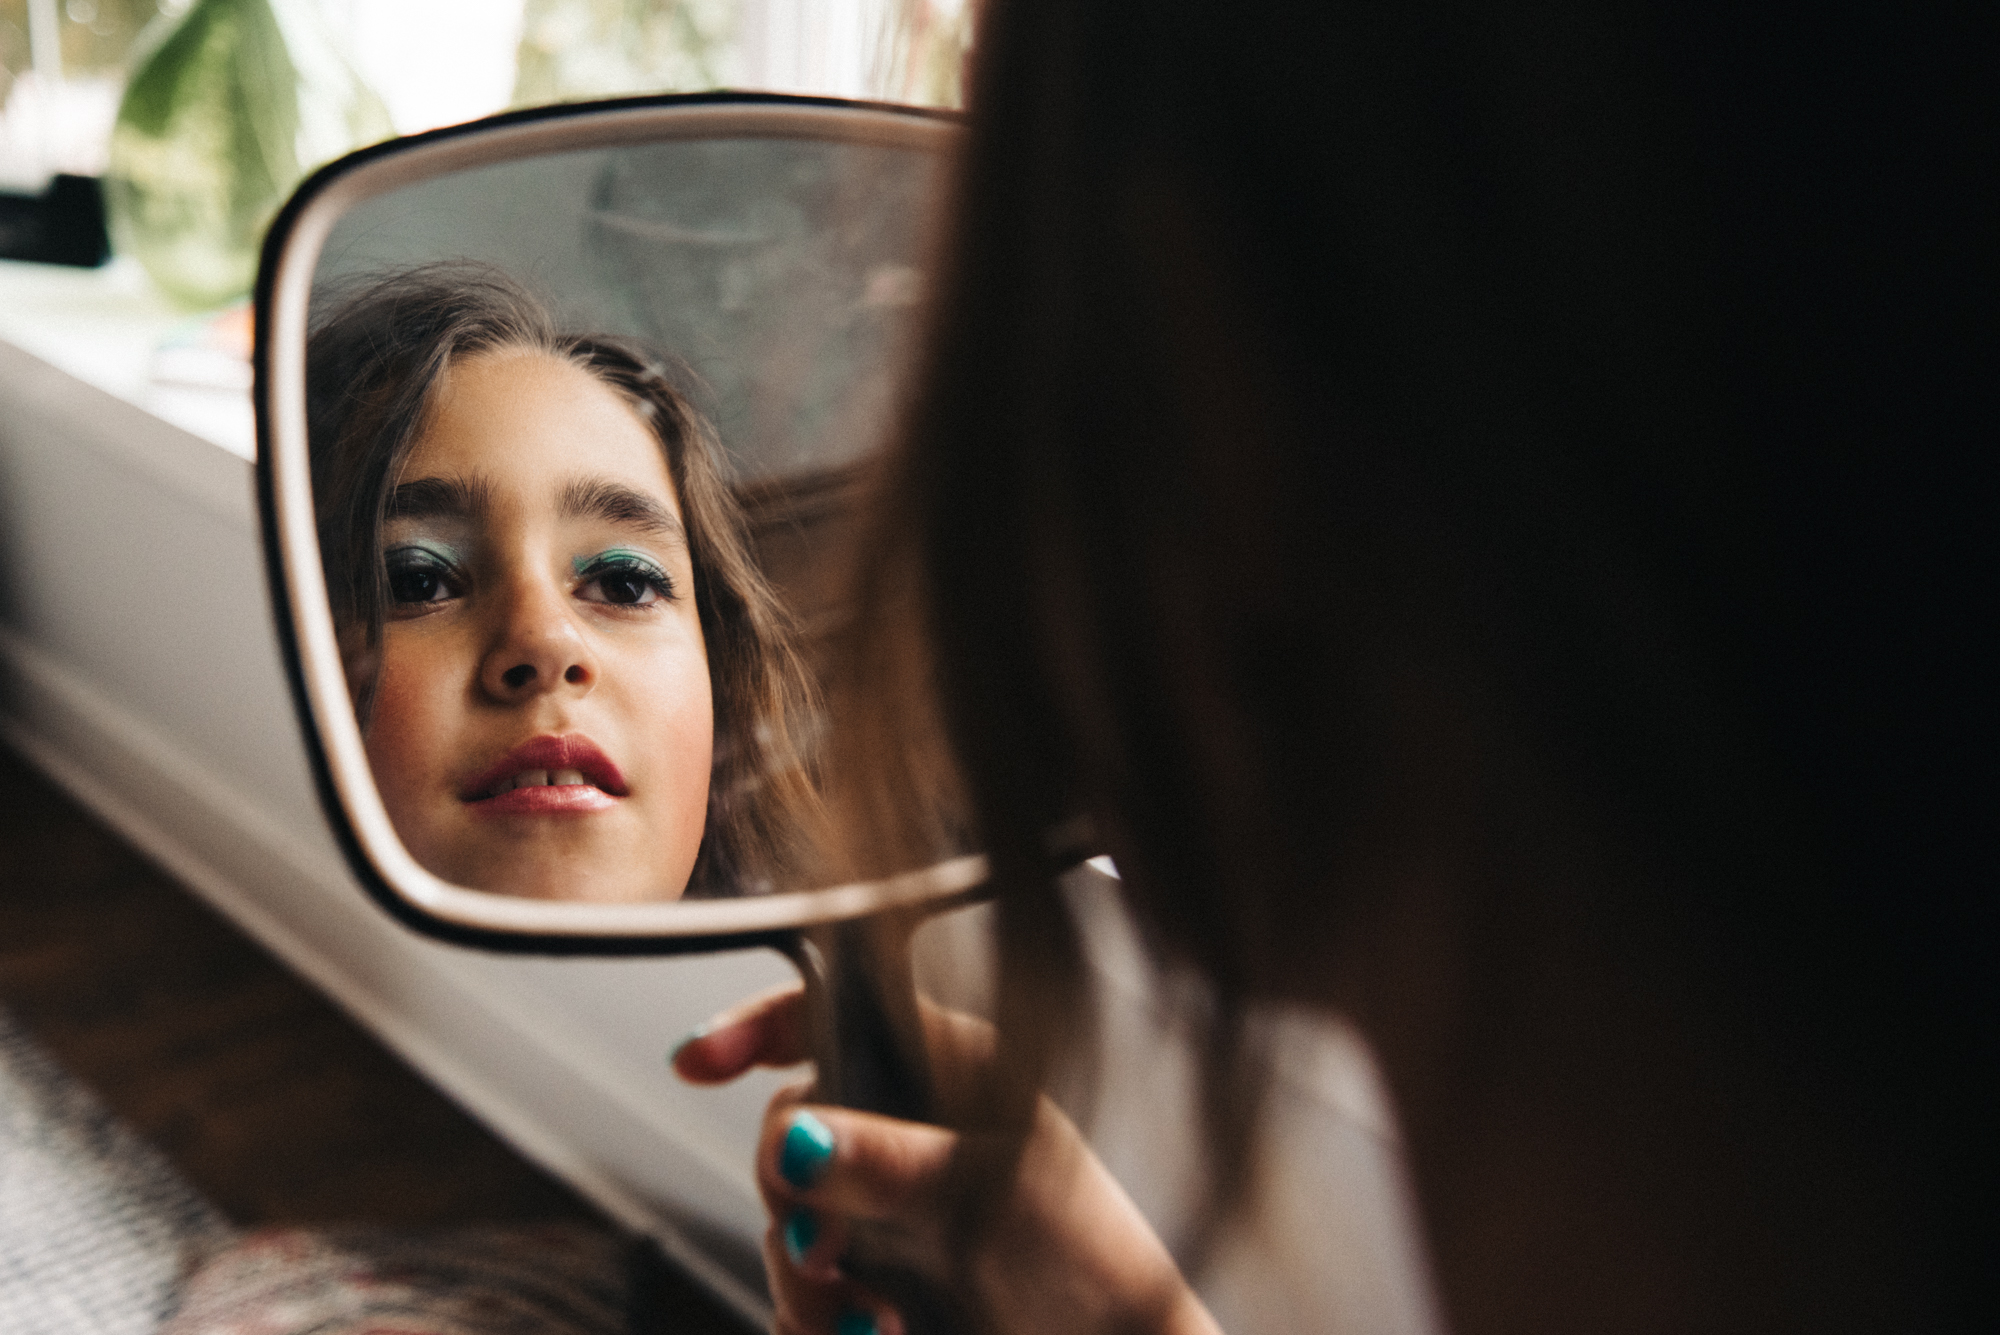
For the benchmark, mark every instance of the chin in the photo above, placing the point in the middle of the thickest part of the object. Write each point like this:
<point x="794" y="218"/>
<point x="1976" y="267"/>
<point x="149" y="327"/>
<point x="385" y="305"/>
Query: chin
<point x="602" y="877"/>
<point x="569" y="883"/>
<point x="603" y="893"/>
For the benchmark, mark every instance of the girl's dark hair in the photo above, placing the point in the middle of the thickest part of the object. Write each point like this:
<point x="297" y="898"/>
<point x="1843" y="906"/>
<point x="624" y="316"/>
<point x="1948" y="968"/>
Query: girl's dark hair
<point x="1475" y="504"/>
<point x="372" y="368"/>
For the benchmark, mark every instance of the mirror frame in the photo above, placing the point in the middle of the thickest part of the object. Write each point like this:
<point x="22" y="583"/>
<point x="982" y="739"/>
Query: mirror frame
<point x="347" y="790"/>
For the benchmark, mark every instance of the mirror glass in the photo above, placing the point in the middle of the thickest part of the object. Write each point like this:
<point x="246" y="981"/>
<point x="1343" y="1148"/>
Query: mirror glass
<point x="583" y="421"/>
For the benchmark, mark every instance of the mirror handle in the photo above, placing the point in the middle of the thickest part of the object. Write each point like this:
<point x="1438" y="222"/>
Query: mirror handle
<point x="861" y="1008"/>
<point x="868" y="1050"/>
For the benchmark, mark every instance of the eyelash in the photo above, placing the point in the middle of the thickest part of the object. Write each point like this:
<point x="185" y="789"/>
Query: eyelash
<point x="419" y="560"/>
<point x="626" y="564"/>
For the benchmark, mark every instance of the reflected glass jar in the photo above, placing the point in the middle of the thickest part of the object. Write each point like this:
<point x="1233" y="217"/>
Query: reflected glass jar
<point x="228" y="107"/>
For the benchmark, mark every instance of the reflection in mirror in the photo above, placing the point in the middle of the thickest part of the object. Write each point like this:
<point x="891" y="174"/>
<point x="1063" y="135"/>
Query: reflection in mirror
<point x="583" y="431"/>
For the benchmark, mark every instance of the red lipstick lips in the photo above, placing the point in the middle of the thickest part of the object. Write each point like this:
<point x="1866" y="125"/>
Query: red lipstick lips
<point x="547" y="775"/>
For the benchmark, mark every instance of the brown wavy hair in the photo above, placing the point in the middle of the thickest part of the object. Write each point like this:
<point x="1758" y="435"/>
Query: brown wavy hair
<point x="372" y="367"/>
<point x="1476" y="506"/>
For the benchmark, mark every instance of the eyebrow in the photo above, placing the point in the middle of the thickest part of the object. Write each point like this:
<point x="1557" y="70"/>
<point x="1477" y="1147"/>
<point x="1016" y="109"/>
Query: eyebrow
<point x="581" y="498"/>
<point x="596" y="498"/>
<point x="438" y="497"/>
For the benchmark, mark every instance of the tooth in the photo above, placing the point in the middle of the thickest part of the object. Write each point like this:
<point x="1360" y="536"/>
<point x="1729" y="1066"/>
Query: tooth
<point x="532" y="778"/>
<point x="563" y="776"/>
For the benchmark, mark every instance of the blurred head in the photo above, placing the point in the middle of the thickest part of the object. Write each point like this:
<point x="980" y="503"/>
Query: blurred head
<point x="1470" y="505"/>
<point x="571" y="678"/>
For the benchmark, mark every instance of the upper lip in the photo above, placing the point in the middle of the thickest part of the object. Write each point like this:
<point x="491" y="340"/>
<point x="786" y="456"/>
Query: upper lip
<point x="571" y="751"/>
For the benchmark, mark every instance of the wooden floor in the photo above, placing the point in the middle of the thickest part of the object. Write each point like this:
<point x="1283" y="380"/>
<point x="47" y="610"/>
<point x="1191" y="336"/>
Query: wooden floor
<point x="264" y="1095"/>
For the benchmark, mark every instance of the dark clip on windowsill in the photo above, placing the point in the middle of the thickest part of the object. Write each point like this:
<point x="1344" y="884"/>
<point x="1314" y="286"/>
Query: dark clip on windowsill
<point x="62" y="225"/>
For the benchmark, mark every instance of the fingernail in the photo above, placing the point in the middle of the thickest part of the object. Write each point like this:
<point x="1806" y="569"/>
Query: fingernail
<point x="854" y="1322"/>
<point x="801" y="1232"/>
<point x="807" y="1150"/>
<point x="694" y="1035"/>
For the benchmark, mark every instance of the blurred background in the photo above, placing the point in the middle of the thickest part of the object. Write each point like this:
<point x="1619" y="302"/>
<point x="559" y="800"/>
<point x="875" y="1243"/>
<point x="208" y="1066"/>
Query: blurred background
<point x="151" y="142"/>
<point x="64" y="63"/>
<point x="201" y="115"/>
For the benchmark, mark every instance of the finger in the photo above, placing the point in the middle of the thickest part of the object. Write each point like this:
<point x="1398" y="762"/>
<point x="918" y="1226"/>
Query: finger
<point x="801" y="1304"/>
<point x="954" y="1033"/>
<point x="821" y="1302"/>
<point x="770" y="1030"/>
<point x="960" y="1047"/>
<point x="858" y="1164"/>
<point x="766" y="1030"/>
<point x="777" y="1114"/>
<point x="813" y="1241"/>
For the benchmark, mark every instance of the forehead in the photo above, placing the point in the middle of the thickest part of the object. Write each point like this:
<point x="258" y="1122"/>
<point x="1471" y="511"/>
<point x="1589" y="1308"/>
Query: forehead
<point x="525" y="424"/>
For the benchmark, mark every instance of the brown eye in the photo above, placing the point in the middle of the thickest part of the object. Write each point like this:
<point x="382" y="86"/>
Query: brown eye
<point x="624" y="587"/>
<point x="624" y="579"/>
<point x="416" y="575"/>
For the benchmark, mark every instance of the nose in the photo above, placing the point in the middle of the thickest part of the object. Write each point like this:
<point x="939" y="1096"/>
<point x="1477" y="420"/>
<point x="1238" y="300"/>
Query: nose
<point x="537" y="647"/>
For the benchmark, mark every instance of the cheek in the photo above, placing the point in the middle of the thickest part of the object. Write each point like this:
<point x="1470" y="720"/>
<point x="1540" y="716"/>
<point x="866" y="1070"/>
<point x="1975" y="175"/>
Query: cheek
<point x="403" y="722"/>
<point x="677" y="728"/>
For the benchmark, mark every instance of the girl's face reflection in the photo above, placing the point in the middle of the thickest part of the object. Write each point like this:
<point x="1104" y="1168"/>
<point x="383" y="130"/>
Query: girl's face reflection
<point x="542" y="723"/>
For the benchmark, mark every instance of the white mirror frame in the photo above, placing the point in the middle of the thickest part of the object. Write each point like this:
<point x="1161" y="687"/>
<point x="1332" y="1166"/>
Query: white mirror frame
<point x="347" y="786"/>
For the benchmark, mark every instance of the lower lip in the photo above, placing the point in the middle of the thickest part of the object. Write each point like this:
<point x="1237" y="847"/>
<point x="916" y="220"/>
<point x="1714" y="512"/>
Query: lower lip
<point x="546" y="800"/>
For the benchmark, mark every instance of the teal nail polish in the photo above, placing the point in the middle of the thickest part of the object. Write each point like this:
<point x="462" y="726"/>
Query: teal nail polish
<point x="807" y="1150"/>
<point x="852" y="1322"/>
<point x="801" y="1232"/>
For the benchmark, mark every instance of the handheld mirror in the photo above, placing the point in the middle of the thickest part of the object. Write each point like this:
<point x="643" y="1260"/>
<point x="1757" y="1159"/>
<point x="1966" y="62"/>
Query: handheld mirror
<point x="560" y="415"/>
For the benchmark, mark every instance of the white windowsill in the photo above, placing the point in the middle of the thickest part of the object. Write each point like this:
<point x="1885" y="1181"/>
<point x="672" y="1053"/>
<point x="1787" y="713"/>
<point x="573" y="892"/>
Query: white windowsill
<point x="103" y="326"/>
